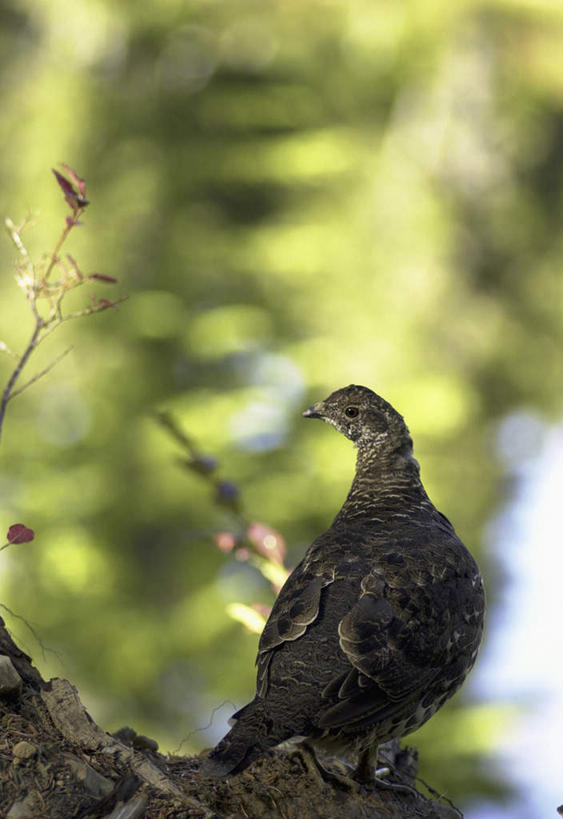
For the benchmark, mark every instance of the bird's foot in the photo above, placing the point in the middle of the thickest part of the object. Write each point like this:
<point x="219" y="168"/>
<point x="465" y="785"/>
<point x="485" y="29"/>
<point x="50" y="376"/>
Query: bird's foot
<point x="370" y="776"/>
<point x="367" y="773"/>
<point x="320" y="773"/>
<point x="384" y="784"/>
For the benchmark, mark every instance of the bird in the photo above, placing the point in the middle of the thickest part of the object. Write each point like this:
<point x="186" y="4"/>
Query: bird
<point x="378" y="625"/>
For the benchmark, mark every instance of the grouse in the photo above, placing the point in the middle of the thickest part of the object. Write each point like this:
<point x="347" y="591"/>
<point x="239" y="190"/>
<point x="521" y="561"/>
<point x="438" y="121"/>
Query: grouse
<point x="381" y="621"/>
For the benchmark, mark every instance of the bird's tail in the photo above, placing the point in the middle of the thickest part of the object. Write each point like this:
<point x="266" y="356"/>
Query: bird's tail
<point x="246" y="741"/>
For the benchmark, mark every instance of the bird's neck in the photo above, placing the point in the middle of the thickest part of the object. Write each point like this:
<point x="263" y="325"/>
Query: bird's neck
<point x="384" y="486"/>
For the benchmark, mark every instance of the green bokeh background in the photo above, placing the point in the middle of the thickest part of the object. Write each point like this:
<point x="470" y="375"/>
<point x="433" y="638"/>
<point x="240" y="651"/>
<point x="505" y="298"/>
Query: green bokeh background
<point x="294" y="196"/>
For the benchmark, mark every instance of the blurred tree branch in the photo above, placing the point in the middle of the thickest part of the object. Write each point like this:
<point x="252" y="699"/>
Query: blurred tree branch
<point x="257" y="543"/>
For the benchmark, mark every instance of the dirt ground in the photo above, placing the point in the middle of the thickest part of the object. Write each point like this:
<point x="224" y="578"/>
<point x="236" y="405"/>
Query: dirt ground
<point x="56" y="763"/>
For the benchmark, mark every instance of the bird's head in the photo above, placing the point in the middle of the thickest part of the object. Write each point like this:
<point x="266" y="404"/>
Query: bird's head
<point x="363" y="417"/>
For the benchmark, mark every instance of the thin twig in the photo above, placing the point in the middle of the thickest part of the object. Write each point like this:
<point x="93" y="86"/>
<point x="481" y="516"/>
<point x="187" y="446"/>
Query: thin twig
<point x="437" y="795"/>
<point x="14" y="233"/>
<point x="40" y="374"/>
<point x="5" y="349"/>
<point x="8" y="389"/>
<point x="88" y="311"/>
<point x="44" y="649"/>
<point x="167" y="420"/>
<point x="55" y="254"/>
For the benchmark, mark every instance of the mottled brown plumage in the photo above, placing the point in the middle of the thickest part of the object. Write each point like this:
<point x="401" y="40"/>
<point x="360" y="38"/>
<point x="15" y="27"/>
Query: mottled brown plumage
<point x="380" y="622"/>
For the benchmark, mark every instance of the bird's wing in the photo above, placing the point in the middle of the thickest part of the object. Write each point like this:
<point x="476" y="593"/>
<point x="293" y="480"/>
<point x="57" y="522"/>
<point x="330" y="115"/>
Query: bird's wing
<point x="391" y="658"/>
<point x="296" y="607"/>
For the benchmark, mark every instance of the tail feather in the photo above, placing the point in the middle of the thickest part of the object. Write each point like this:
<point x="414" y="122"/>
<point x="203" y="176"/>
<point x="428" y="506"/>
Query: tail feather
<point x="231" y="755"/>
<point x="245" y="742"/>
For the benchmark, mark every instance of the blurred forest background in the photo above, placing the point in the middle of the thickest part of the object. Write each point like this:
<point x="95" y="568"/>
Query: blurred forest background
<point x="295" y="196"/>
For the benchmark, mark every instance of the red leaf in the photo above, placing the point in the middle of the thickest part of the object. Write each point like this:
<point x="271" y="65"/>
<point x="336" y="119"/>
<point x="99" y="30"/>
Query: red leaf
<point x="267" y="541"/>
<point x="64" y="184"/>
<point x="75" y="200"/>
<point x="101" y="277"/>
<point x="80" y="183"/>
<point x="103" y="304"/>
<point x="18" y="533"/>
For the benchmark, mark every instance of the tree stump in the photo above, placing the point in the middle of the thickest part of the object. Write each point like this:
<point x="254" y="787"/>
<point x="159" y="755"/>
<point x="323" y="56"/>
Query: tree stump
<point x="55" y="762"/>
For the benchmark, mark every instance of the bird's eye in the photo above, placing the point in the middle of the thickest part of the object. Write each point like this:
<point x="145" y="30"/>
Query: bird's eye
<point x="351" y="412"/>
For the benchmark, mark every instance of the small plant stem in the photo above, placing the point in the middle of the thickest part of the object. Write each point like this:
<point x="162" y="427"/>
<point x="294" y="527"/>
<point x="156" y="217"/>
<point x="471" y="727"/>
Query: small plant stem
<point x="14" y="233"/>
<point x="55" y="254"/>
<point x="8" y="389"/>
<point x="40" y="374"/>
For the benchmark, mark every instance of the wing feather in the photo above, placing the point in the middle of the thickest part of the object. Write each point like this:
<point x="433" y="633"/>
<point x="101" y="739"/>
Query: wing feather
<point x="390" y="660"/>
<point x="296" y="607"/>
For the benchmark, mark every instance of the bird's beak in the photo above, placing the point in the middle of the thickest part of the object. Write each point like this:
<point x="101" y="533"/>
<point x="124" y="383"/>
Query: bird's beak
<point x="314" y="411"/>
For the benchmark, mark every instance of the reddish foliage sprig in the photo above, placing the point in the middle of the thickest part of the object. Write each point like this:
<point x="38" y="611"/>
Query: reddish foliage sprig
<point x="45" y="295"/>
